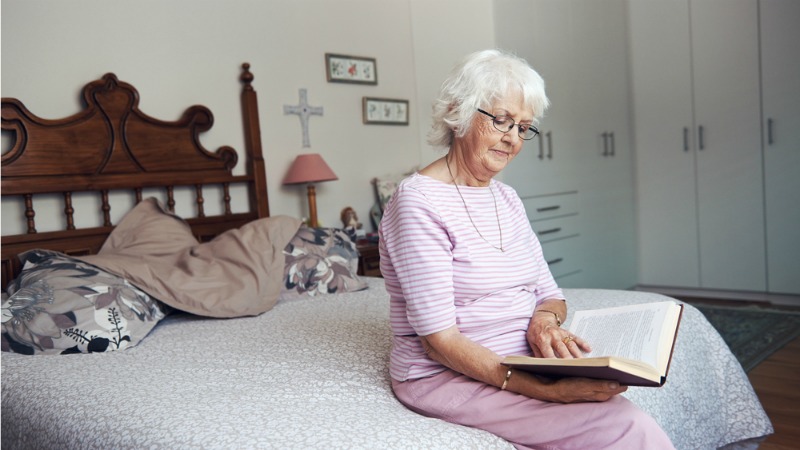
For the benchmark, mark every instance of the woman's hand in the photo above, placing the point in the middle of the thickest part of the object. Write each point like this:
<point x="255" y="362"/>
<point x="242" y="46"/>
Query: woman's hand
<point x="574" y="390"/>
<point x="548" y="340"/>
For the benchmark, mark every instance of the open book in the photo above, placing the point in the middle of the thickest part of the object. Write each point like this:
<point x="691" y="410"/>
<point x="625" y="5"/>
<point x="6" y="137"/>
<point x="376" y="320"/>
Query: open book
<point x="630" y="344"/>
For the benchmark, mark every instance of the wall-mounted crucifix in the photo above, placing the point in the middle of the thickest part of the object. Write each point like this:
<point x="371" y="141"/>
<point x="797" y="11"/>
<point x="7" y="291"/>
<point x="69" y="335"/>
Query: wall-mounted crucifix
<point x="304" y="111"/>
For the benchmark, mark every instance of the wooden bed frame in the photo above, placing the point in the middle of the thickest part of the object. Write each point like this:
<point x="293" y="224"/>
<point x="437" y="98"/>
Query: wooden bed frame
<point x="110" y="145"/>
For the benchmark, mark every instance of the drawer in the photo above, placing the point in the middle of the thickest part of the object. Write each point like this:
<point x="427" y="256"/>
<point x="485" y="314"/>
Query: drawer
<point x="563" y="256"/>
<point x="543" y="207"/>
<point x="548" y="230"/>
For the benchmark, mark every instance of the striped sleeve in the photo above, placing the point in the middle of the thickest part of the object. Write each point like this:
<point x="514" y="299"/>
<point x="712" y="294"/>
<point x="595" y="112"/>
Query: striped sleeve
<point x="420" y="251"/>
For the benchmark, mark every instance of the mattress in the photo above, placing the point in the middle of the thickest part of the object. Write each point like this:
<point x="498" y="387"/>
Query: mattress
<point x="313" y="373"/>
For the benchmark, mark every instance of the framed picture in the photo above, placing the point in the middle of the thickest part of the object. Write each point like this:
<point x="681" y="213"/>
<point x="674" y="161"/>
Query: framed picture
<point x="384" y="111"/>
<point x="351" y="69"/>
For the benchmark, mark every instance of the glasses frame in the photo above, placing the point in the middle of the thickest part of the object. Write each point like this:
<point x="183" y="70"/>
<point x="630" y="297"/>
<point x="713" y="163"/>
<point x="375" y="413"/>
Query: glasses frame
<point x="520" y="131"/>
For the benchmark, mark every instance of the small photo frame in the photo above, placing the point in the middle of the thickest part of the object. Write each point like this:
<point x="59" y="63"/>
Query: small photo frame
<point x="351" y="69"/>
<point x="384" y="111"/>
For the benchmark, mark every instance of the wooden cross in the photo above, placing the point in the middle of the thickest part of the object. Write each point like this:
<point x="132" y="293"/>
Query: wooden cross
<point x="304" y="111"/>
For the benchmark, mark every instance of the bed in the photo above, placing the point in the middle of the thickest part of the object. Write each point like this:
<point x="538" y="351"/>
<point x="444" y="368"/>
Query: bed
<point x="300" y="365"/>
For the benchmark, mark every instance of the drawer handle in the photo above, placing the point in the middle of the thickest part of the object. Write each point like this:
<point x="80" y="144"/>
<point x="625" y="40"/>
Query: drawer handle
<point x="550" y="231"/>
<point x="554" y="261"/>
<point x="548" y="208"/>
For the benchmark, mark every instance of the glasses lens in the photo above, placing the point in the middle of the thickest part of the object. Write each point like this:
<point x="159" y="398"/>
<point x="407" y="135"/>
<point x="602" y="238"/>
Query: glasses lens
<point x="528" y="133"/>
<point x="503" y="123"/>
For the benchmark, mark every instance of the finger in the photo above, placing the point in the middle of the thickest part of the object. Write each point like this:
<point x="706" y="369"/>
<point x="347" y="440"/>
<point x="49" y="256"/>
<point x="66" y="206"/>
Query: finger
<point x="574" y="349"/>
<point x="582" y="344"/>
<point x="613" y="388"/>
<point x="570" y="347"/>
<point x="547" y="351"/>
<point x="563" y="349"/>
<point x="606" y="389"/>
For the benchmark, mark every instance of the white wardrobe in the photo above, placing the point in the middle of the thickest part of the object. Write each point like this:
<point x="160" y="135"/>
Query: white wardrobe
<point x="715" y="101"/>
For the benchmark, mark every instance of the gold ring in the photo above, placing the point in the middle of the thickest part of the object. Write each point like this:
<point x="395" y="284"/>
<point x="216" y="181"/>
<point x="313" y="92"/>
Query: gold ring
<point x="567" y="340"/>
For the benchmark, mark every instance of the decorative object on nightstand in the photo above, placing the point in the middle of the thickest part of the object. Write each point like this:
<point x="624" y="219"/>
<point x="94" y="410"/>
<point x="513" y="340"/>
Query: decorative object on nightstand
<point x="310" y="168"/>
<point x="351" y="224"/>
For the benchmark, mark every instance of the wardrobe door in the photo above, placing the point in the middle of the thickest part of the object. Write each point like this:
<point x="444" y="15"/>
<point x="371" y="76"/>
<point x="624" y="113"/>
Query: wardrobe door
<point x="730" y="195"/>
<point x="780" y="87"/>
<point x="665" y="160"/>
<point x="605" y="161"/>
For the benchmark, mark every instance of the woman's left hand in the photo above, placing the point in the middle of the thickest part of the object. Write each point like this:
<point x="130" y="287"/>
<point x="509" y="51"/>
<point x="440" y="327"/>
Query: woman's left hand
<point x="548" y="340"/>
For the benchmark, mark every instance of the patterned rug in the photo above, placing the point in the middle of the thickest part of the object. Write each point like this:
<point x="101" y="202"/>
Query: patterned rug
<point x="753" y="333"/>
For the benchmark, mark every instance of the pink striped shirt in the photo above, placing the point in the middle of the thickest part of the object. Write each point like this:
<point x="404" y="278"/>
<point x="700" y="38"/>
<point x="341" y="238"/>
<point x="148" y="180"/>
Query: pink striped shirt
<point x="440" y="272"/>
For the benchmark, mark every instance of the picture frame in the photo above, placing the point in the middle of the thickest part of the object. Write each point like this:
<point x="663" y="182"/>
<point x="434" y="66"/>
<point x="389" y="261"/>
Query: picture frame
<point x="384" y="111"/>
<point x="351" y="69"/>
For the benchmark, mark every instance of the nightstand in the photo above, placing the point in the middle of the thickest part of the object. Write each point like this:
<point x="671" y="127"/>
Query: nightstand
<point x="369" y="261"/>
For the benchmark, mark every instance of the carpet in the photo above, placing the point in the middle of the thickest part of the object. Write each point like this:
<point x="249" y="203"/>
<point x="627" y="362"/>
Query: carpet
<point x="752" y="333"/>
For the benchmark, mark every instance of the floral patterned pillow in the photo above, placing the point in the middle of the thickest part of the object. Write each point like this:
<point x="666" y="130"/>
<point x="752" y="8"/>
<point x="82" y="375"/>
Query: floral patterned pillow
<point x="385" y="189"/>
<point x="60" y="305"/>
<point x="320" y="261"/>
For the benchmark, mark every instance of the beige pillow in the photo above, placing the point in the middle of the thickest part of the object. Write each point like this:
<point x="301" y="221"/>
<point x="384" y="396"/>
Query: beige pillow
<point x="239" y="273"/>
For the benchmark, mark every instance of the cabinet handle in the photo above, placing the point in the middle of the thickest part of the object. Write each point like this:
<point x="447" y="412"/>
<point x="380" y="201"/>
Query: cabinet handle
<point x="548" y="208"/>
<point x="613" y="146"/>
<point x="605" y="144"/>
<point x="770" y="141"/>
<point x="700" y="137"/>
<point x="550" y="231"/>
<point x="686" y="139"/>
<point x="541" y="147"/>
<point x="549" y="145"/>
<point x="554" y="261"/>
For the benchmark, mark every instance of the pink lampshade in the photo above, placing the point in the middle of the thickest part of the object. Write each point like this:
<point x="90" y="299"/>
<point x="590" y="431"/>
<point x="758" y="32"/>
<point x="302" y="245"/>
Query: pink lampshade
<point x="309" y="168"/>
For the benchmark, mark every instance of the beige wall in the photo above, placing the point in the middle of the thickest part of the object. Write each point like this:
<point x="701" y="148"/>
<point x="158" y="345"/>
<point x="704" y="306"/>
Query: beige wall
<point x="178" y="53"/>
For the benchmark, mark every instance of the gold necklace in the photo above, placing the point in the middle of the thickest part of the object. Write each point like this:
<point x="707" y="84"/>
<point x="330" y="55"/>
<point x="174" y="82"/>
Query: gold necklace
<point x="496" y="213"/>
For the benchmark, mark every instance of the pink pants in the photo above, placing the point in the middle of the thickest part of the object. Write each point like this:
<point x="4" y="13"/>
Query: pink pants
<point x="530" y="423"/>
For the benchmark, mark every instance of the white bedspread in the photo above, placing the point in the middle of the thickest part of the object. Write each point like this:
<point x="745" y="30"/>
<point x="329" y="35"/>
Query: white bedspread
<point x="313" y="373"/>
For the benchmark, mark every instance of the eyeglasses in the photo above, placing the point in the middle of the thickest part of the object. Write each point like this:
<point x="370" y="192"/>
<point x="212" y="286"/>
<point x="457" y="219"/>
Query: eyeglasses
<point x="504" y="124"/>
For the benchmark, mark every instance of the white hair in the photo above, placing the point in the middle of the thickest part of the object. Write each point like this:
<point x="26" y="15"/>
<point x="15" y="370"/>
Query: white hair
<point x="476" y="82"/>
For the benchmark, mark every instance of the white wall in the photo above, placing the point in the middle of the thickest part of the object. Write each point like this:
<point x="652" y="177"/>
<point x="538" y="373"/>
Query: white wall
<point x="178" y="53"/>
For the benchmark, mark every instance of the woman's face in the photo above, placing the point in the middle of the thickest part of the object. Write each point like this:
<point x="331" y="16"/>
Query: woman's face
<point x="487" y="150"/>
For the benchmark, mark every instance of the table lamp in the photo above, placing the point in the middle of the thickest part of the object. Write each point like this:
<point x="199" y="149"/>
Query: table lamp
<point x="310" y="168"/>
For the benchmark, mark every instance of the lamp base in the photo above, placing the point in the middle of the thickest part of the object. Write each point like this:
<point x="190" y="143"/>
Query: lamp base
<point x="312" y="206"/>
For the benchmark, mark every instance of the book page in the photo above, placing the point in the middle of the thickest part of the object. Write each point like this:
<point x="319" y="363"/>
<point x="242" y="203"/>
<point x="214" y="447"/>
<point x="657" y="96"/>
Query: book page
<point x="631" y="332"/>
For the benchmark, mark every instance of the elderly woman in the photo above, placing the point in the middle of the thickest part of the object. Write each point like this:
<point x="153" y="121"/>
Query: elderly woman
<point x="468" y="283"/>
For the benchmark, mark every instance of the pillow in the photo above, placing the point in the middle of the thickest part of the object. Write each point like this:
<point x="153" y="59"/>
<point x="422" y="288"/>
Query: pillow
<point x="384" y="190"/>
<point x="387" y="185"/>
<point x="236" y="274"/>
<point x="60" y="305"/>
<point x="320" y="261"/>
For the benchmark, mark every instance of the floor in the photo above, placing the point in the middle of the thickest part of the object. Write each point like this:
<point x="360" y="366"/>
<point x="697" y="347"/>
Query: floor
<point x="777" y="383"/>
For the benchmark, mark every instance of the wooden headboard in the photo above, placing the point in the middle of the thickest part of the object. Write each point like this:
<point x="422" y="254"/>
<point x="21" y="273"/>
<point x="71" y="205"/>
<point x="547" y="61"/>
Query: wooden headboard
<point x="110" y="146"/>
